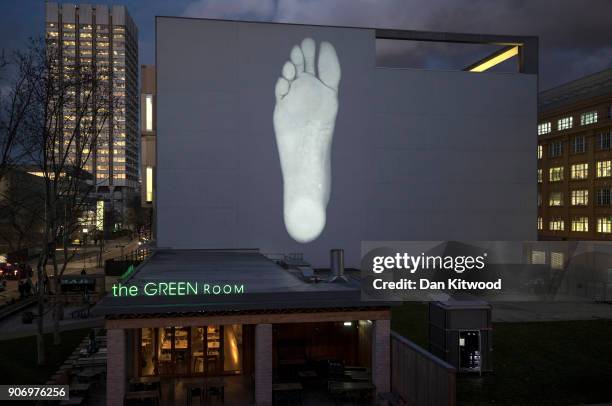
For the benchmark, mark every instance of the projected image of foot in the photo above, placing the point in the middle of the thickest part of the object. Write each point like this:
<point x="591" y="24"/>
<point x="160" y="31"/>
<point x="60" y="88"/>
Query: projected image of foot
<point x="304" y="120"/>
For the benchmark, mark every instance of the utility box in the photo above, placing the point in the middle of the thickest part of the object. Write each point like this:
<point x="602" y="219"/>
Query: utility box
<point x="460" y="333"/>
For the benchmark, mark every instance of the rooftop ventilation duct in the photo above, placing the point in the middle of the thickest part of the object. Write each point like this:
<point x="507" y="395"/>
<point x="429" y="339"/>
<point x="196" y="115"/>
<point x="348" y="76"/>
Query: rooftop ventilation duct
<point x="337" y="266"/>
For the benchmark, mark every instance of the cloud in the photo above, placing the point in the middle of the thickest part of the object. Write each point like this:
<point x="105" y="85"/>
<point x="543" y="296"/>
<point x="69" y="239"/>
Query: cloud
<point x="574" y="34"/>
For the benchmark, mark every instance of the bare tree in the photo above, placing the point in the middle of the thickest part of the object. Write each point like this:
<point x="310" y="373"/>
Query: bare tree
<point x="67" y="106"/>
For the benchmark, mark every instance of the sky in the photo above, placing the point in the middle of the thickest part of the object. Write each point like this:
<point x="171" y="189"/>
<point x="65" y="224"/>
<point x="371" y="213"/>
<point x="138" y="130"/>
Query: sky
<point x="575" y="35"/>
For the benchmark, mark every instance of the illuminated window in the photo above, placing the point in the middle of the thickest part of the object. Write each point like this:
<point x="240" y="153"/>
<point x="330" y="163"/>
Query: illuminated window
<point x="602" y="197"/>
<point x="604" y="225"/>
<point x="148" y="112"/>
<point x="580" y="224"/>
<point x="149" y="184"/>
<point x="540" y="152"/>
<point x="539" y="176"/>
<point x="580" y="171"/>
<point x="538" y="257"/>
<point x="556" y="224"/>
<point x="544" y="128"/>
<point x="604" y="169"/>
<point x="555" y="199"/>
<point x="556" y="260"/>
<point x="580" y="197"/>
<point x="578" y="144"/>
<point x="540" y="223"/>
<point x="603" y="141"/>
<point x="565" y="123"/>
<point x="555" y="149"/>
<point x="589" y="117"/>
<point x="555" y="174"/>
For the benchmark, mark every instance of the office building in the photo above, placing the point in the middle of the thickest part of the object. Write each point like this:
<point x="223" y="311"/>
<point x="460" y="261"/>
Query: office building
<point x="103" y="38"/>
<point x="575" y="160"/>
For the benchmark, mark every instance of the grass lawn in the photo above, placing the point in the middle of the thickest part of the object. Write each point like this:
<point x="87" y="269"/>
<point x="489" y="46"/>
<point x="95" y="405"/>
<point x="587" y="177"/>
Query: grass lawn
<point x="18" y="357"/>
<point x="535" y="363"/>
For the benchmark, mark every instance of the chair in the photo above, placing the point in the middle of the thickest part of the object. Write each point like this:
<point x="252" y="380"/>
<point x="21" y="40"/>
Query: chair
<point x="194" y="391"/>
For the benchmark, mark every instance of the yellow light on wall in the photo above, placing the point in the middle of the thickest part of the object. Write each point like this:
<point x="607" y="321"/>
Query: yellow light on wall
<point x="149" y="184"/>
<point x="494" y="59"/>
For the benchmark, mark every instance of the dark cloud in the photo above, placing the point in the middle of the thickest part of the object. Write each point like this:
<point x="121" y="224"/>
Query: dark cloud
<point x="575" y="35"/>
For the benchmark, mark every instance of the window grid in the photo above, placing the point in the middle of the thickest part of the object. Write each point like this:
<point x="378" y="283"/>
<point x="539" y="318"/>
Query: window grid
<point x="578" y="144"/>
<point x="555" y="149"/>
<point x="555" y="174"/>
<point x="580" y="171"/>
<point x="544" y="128"/>
<point x="580" y="197"/>
<point x="565" y="123"/>
<point x="555" y="199"/>
<point x="580" y="224"/>
<point x="604" y="169"/>
<point x="589" y="117"/>
<point x="556" y="224"/>
<point x="602" y="197"/>
<point x="604" y="225"/>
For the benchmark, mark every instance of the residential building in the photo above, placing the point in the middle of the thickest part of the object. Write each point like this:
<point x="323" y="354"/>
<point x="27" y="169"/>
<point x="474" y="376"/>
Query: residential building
<point x="104" y="38"/>
<point x="575" y="160"/>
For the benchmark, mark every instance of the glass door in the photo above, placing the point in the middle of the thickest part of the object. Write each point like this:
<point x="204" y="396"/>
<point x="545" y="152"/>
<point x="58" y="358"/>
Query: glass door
<point x="214" y="350"/>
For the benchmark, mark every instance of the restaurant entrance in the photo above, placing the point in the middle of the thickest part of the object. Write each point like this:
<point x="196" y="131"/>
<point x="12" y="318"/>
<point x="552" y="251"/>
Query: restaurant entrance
<point x="181" y="351"/>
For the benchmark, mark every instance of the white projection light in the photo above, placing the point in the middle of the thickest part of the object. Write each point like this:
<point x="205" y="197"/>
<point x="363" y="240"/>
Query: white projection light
<point x="304" y="120"/>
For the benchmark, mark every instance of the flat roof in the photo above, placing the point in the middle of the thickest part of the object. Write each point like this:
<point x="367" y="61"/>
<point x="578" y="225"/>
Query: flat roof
<point x="267" y="285"/>
<point x="584" y="88"/>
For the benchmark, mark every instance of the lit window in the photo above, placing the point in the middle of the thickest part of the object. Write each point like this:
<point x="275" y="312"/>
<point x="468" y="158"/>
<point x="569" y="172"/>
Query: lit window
<point x="565" y="123"/>
<point x="538" y="257"/>
<point x="602" y="197"/>
<point x="578" y="144"/>
<point x="604" y="169"/>
<point x="539" y="176"/>
<point x="555" y="174"/>
<point x="580" y="197"/>
<point x="540" y="223"/>
<point x="544" y="128"/>
<point x="580" y="224"/>
<point x="149" y="182"/>
<point x="556" y="260"/>
<point x="540" y="152"/>
<point x="555" y="199"/>
<point x="555" y="149"/>
<point x="557" y="224"/>
<point x="589" y="117"/>
<point x="580" y="171"/>
<point x="148" y="112"/>
<point x="604" y="225"/>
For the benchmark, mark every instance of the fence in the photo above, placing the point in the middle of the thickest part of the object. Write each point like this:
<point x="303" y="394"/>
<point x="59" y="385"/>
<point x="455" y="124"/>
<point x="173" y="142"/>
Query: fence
<point x="419" y="377"/>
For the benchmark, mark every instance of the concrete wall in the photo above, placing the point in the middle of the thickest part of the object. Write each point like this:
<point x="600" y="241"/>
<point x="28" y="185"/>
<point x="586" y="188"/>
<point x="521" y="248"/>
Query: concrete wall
<point x="416" y="154"/>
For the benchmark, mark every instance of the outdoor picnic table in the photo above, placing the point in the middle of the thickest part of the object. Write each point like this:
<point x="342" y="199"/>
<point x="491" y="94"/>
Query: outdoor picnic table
<point x="143" y="395"/>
